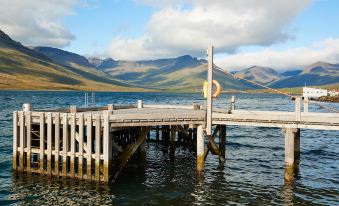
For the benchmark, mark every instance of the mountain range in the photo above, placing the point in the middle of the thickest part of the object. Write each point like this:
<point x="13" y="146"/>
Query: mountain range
<point x="48" y="68"/>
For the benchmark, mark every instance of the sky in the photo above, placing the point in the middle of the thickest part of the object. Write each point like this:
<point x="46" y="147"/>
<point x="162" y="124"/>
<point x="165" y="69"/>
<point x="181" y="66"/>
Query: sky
<point x="282" y="34"/>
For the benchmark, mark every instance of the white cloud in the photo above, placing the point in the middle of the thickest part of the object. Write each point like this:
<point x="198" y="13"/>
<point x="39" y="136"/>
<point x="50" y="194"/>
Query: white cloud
<point x="35" y="22"/>
<point x="299" y="57"/>
<point x="188" y="26"/>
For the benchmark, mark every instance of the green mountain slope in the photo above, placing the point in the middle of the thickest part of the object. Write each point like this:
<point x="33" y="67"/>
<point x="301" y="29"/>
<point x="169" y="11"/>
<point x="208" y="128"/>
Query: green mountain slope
<point x="178" y="74"/>
<point x="24" y="68"/>
<point x="263" y="75"/>
<point x="320" y="73"/>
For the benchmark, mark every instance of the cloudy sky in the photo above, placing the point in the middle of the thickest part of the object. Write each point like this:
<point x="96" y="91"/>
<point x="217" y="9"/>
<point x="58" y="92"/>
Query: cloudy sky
<point x="283" y="34"/>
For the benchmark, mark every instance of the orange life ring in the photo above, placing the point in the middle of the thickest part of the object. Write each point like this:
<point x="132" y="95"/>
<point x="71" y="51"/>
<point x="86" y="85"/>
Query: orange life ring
<point x="219" y="88"/>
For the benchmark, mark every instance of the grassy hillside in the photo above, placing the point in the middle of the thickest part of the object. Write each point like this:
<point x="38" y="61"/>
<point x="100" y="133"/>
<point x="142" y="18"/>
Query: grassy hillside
<point x="22" y="71"/>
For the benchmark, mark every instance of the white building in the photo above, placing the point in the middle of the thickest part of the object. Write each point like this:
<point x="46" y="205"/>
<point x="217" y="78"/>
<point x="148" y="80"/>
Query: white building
<point x="313" y="92"/>
<point x="333" y="93"/>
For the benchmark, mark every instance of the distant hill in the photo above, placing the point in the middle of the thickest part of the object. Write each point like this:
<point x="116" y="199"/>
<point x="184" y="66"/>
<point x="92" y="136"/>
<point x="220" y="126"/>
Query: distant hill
<point x="181" y="73"/>
<point x="25" y="68"/>
<point x="258" y="74"/>
<point x="319" y="73"/>
<point x="291" y="73"/>
<point x="63" y="57"/>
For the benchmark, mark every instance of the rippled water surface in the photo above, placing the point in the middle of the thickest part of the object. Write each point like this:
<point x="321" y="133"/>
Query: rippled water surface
<point x="252" y="174"/>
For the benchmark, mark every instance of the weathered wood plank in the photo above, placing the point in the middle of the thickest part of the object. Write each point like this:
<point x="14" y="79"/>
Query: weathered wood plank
<point x="42" y="143"/>
<point x="22" y="141"/>
<point x="72" y="156"/>
<point x="81" y="146"/>
<point x="49" y="143"/>
<point x="64" y="143"/>
<point x="97" y="146"/>
<point x="56" y="143"/>
<point x="15" y="140"/>
<point x="28" y="141"/>
<point x="107" y="148"/>
<point x="89" y="146"/>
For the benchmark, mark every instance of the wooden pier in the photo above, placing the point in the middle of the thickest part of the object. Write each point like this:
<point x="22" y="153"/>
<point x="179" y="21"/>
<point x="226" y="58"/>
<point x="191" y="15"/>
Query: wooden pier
<point x="97" y="143"/>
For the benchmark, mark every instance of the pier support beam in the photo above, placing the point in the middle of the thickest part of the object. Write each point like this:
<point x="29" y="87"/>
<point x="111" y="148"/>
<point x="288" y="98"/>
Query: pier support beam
<point x="200" y="150"/>
<point x="222" y="142"/>
<point x="292" y="152"/>
<point x="172" y="142"/>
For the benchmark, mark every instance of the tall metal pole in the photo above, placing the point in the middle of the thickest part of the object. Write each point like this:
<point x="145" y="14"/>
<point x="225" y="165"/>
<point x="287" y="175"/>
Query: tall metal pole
<point x="209" y="93"/>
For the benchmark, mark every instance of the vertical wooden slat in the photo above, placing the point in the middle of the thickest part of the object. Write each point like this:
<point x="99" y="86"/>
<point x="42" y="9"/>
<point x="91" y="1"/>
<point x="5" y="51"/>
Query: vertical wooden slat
<point x="107" y="148"/>
<point x="15" y="140"/>
<point x="81" y="145"/>
<point x="56" y="143"/>
<point x="22" y="143"/>
<point x="89" y="147"/>
<point x="29" y="140"/>
<point x="64" y="143"/>
<point x="73" y="124"/>
<point x="49" y="143"/>
<point x="97" y="146"/>
<point x="42" y="146"/>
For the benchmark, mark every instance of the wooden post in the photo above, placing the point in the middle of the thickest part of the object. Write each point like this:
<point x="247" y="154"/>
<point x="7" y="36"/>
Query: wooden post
<point x="292" y="152"/>
<point x="140" y="104"/>
<point x="42" y="142"/>
<point x="107" y="148"/>
<point x="233" y="103"/>
<point x="15" y="140"/>
<point x="22" y="140"/>
<point x="64" y="143"/>
<point x="200" y="150"/>
<point x="172" y="142"/>
<point x="49" y="143"/>
<point x="306" y="102"/>
<point x="110" y="107"/>
<point x="209" y="88"/>
<point x="28" y="141"/>
<point x="297" y="108"/>
<point x="89" y="147"/>
<point x="222" y="141"/>
<point x="73" y="125"/>
<point x="56" y="143"/>
<point x="81" y="146"/>
<point x="97" y="146"/>
<point x="157" y="133"/>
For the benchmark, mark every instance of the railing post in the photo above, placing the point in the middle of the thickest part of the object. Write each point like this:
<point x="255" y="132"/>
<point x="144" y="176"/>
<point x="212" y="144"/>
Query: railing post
<point x="306" y="102"/>
<point x="297" y="108"/>
<point x="233" y="103"/>
<point x="140" y="104"/>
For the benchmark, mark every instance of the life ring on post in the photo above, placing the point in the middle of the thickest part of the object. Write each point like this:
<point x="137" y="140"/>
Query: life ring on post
<point x="219" y="88"/>
<point x="216" y="93"/>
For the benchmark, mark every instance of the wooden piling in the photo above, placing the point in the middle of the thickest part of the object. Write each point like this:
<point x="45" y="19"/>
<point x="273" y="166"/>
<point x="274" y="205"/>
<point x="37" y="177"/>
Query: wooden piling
<point x="64" y="143"/>
<point x="72" y="158"/>
<point x="49" y="143"/>
<point x="42" y="143"/>
<point x="97" y="146"/>
<point x="81" y="146"/>
<point x="222" y="141"/>
<point x="200" y="150"/>
<point x="292" y="151"/>
<point x="172" y="142"/>
<point x="28" y="141"/>
<point x="107" y="148"/>
<point x="22" y="141"/>
<point x="15" y="140"/>
<point x="298" y="108"/>
<point x="306" y="102"/>
<point x="89" y="147"/>
<point x="56" y="143"/>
